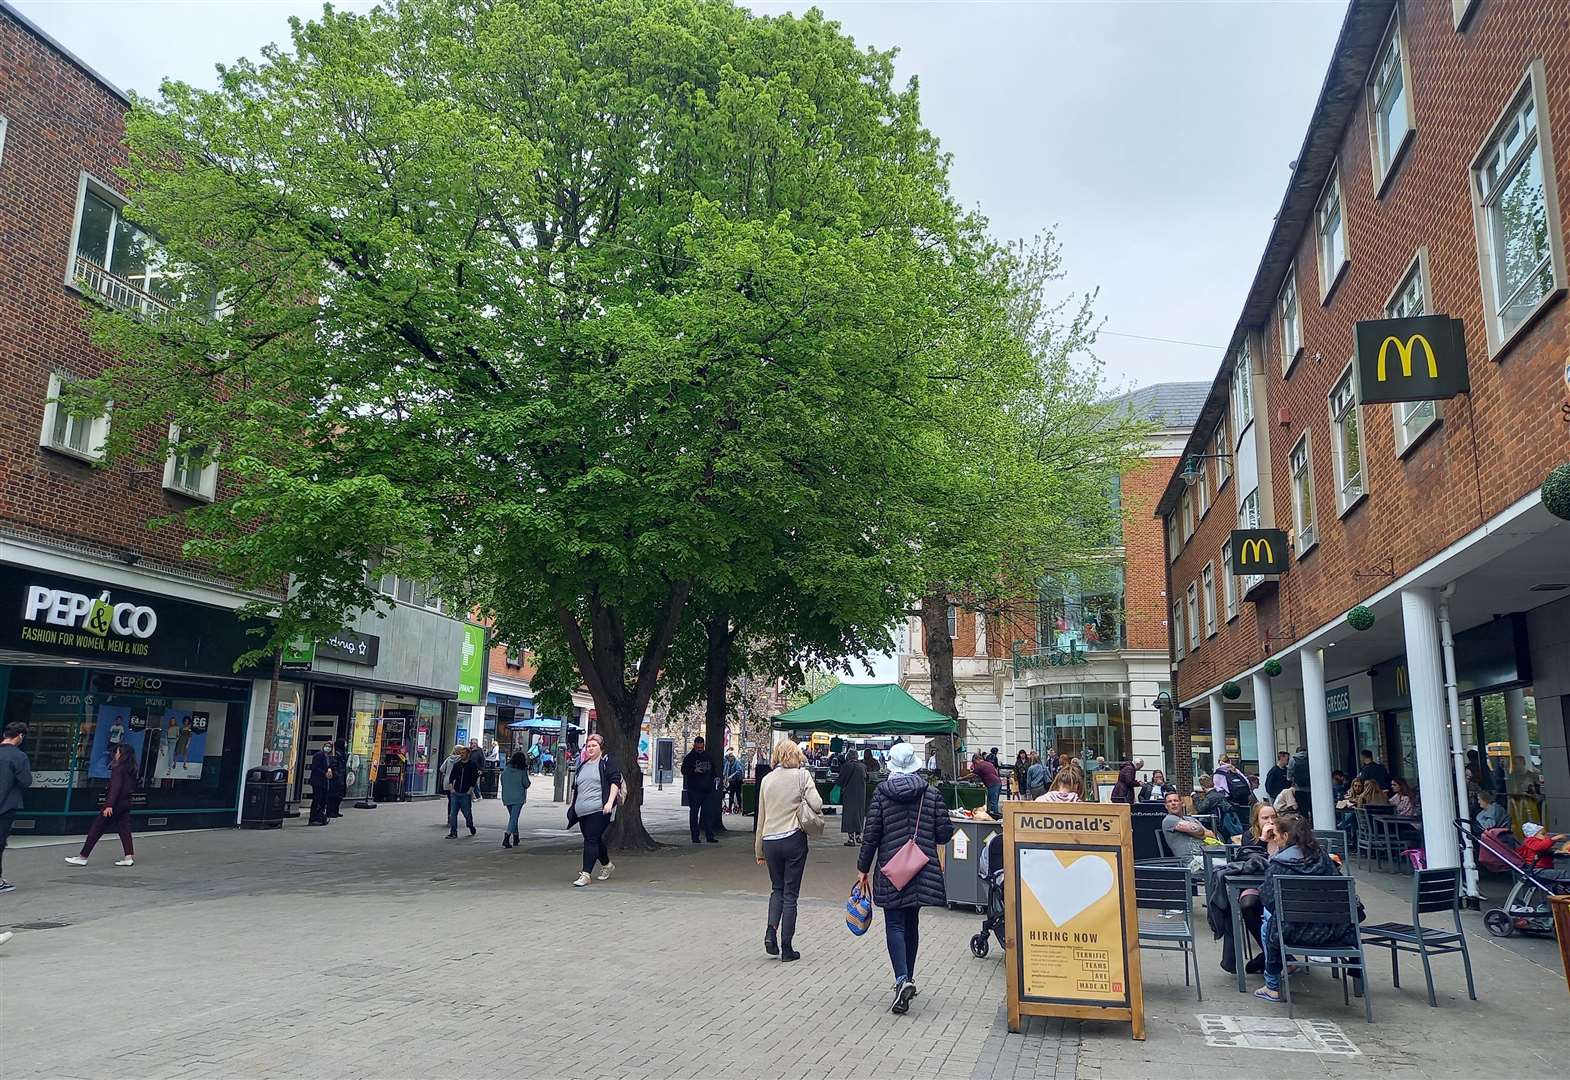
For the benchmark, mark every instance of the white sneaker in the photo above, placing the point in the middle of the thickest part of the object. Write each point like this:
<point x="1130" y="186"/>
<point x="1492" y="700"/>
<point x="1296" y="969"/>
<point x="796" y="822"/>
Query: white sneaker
<point x="76" y="860"/>
<point x="5" y="937"/>
<point x="581" y="881"/>
<point x="129" y="860"/>
<point x="605" y="871"/>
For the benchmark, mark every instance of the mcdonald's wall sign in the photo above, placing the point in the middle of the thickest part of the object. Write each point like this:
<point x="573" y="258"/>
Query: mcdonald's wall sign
<point x="1417" y="359"/>
<point x="1259" y="551"/>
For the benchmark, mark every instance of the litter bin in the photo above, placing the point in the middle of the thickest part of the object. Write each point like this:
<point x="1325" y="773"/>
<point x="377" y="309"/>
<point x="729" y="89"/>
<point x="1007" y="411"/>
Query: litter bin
<point x="265" y="793"/>
<point x="960" y="858"/>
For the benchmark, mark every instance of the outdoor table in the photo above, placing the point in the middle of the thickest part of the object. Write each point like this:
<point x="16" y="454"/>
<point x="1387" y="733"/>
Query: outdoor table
<point x="1211" y="853"/>
<point x="1389" y="826"/>
<point x="1236" y="883"/>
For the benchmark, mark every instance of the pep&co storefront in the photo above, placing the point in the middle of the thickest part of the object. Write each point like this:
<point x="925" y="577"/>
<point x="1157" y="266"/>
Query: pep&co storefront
<point x="89" y="665"/>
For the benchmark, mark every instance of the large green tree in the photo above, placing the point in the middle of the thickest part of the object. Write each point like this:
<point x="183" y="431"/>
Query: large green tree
<point x="566" y="304"/>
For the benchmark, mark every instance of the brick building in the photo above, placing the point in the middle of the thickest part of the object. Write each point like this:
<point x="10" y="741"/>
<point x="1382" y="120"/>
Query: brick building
<point x="1078" y="668"/>
<point x="1427" y="184"/>
<point x="107" y="633"/>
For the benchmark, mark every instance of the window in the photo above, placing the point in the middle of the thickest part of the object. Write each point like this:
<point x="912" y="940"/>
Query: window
<point x="1207" y="582"/>
<point x="1291" y="321"/>
<point x="1228" y="582"/>
<point x="113" y="259"/>
<point x="402" y="589"/>
<point x="1188" y="514"/>
<point x="1242" y="389"/>
<point x="2" y="140"/>
<point x="1346" y="441"/>
<point x="1203" y="487"/>
<point x="1410" y="299"/>
<point x="1248" y="518"/>
<point x="1303" y="495"/>
<point x="1193" y="616"/>
<point x="1461" y="11"/>
<point x="189" y="469"/>
<point x="1177" y="630"/>
<point x="1390" y="119"/>
<point x="1517" y="213"/>
<point x="953" y="622"/>
<point x="514" y="656"/>
<point x="1081" y="610"/>
<point x="69" y="432"/>
<point x="1223" y="451"/>
<point x="1174" y="545"/>
<point x="1330" y="228"/>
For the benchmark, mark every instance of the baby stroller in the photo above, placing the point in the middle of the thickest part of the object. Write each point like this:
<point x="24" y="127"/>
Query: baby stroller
<point x="990" y="869"/>
<point x="1526" y="907"/>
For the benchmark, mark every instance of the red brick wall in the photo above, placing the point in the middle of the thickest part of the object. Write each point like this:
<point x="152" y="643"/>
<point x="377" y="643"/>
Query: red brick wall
<point x="1511" y="421"/>
<point x="60" y="122"/>
<point x="1145" y="603"/>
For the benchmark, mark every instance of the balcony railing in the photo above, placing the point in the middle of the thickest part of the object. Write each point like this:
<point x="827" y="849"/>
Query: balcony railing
<point x="117" y="291"/>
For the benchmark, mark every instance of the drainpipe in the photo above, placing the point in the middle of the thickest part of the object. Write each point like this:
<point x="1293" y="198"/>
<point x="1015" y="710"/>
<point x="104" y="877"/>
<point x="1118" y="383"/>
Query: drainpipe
<point x="1447" y="644"/>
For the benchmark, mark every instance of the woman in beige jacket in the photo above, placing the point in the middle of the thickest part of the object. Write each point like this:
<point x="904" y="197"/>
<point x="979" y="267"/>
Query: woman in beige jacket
<point x="781" y="844"/>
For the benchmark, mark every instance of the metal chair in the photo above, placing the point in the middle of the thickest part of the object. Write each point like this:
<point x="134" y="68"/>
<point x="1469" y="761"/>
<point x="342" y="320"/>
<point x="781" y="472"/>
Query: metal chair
<point x="1334" y="841"/>
<point x="1365" y="838"/>
<point x="1384" y="840"/>
<point x="1432" y="890"/>
<point x="1168" y="888"/>
<point x="1321" y="901"/>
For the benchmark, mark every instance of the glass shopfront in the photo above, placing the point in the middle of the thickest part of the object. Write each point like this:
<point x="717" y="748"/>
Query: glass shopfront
<point x="401" y="735"/>
<point x="1081" y="610"/>
<point x="187" y="732"/>
<point x="1087" y="720"/>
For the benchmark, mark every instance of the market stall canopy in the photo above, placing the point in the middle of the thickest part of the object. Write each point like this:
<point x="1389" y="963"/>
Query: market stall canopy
<point x="866" y="709"/>
<point x="540" y="723"/>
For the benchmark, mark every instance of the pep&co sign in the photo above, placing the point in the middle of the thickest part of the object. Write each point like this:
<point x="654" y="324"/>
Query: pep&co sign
<point x="1418" y="359"/>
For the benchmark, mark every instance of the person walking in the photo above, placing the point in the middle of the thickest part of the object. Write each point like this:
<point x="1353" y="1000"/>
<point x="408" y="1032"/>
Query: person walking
<point x="117" y="808"/>
<point x="338" y="787"/>
<point x="322" y="774"/>
<point x="781" y="844"/>
<point x="515" y="792"/>
<point x="697" y="784"/>
<point x="734" y="772"/>
<point x="853" y="799"/>
<point x="461" y="783"/>
<point x="16" y="776"/>
<point x="597" y="786"/>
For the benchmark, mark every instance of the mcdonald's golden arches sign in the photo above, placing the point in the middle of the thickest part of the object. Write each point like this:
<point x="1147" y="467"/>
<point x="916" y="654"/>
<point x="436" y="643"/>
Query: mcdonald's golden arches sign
<point x="1418" y="359"/>
<point x="1259" y="551"/>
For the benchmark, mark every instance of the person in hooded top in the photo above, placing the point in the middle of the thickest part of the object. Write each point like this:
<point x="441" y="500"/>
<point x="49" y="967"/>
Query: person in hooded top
<point x="1124" y="790"/>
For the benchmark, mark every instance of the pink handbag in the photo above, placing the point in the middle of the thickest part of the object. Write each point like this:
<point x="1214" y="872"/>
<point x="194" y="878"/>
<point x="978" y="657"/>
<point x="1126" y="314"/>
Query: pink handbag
<point x="909" y="860"/>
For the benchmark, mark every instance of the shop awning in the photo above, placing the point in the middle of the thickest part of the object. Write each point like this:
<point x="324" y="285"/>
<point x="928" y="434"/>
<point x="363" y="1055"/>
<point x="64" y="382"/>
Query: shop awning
<point x="540" y="723"/>
<point x="866" y="709"/>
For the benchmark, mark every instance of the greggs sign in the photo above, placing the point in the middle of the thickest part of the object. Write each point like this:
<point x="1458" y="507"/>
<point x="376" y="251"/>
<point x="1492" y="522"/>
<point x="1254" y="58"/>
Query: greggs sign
<point x="1259" y="551"/>
<point x="1419" y="359"/>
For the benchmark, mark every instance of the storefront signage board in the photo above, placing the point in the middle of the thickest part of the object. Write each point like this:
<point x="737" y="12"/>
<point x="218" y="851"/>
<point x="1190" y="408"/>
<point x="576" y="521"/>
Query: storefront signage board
<point x="298" y="655"/>
<point x="471" y="669"/>
<point x="1259" y="551"/>
<point x="350" y="647"/>
<point x="1071" y="924"/>
<point x="1417" y="359"/>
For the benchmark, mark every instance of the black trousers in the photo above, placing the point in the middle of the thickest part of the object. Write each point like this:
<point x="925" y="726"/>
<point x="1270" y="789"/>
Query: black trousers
<point x="593" y="827"/>
<point x="5" y="830"/>
<point x="318" y="804"/>
<point x="698" y="815"/>
<point x="120" y="823"/>
<point x="787" y="861"/>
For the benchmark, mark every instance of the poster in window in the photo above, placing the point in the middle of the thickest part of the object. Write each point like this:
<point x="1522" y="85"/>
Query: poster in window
<point x="117" y="724"/>
<point x="182" y="744"/>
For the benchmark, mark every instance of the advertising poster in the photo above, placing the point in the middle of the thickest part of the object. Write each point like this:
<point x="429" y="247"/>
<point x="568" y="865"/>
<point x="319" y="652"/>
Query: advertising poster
<point x="181" y="745"/>
<point x="1071" y="926"/>
<point x="115" y="725"/>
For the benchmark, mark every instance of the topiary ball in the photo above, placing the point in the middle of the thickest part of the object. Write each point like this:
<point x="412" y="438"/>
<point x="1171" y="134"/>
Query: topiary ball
<point x="1556" y="491"/>
<point x="1360" y="618"/>
<point x="1272" y="667"/>
<point x="1231" y="691"/>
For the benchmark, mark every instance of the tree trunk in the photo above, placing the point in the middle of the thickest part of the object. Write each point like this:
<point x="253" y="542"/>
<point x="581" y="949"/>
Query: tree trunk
<point x="627" y="832"/>
<point x="716" y="673"/>
<point x="940" y="677"/>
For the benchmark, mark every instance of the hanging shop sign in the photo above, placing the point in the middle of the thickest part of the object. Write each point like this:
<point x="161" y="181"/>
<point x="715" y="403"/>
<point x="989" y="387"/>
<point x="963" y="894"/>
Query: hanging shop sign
<point x="350" y="647"/>
<point x="298" y="655"/>
<point x="1418" y="359"/>
<point x="77" y="618"/>
<point x="1259" y="551"/>
<point x="471" y="666"/>
<point x="1072" y="927"/>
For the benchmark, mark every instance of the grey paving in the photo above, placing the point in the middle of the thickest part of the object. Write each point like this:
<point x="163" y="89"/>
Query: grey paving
<point x="377" y="948"/>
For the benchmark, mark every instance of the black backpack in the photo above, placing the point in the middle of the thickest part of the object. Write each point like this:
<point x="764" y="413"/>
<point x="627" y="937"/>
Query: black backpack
<point x="1238" y="791"/>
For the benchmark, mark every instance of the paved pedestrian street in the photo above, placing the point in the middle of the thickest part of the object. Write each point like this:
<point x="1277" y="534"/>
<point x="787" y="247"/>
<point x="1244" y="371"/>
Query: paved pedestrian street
<point x="378" y="948"/>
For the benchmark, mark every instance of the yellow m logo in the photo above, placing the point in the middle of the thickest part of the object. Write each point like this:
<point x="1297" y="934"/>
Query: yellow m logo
<point x="1404" y="351"/>
<point x="1252" y="550"/>
<point x="1402" y="686"/>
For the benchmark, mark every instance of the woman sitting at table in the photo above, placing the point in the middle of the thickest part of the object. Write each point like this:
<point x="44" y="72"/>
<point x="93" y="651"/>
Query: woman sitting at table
<point x="1261" y="827"/>
<point x="1258" y="844"/>
<point x="1403" y="798"/>
<point x="1300" y="855"/>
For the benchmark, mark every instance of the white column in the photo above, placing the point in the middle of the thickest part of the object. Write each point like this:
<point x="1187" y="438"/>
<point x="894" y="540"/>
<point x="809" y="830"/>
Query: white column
<point x="1264" y="723"/>
<point x="1218" y="730"/>
<point x="1515" y="713"/>
<point x="1436" y="790"/>
<point x="1316" y="724"/>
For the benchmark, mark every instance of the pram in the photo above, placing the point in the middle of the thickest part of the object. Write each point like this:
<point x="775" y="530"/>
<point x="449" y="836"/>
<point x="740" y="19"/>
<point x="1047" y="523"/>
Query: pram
<point x="990" y="869"/>
<point x="1526" y="907"/>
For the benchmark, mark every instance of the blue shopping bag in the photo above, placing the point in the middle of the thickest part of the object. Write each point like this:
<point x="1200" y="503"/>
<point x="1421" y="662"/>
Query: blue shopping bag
<point x="858" y="911"/>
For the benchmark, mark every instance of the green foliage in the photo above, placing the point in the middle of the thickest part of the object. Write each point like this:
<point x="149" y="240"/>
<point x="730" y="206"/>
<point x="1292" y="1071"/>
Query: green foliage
<point x="1272" y="667"/>
<point x="1556" y="491"/>
<point x="1231" y="691"/>
<point x="1360" y="618"/>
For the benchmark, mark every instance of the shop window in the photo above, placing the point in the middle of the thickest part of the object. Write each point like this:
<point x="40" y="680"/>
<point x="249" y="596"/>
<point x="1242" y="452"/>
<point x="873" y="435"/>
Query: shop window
<point x="1303" y="516"/>
<point x="1228" y="582"/>
<point x="112" y="258"/>
<point x="1346" y="442"/>
<point x="1085" y="720"/>
<point x="1207" y="582"/>
<point x="1390" y="117"/>
<point x="67" y="430"/>
<point x="1412" y="418"/>
<point x="1330" y="231"/>
<point x="1291" y="321"/>
<point x="189" y="468"/>
<point x="1082" y="610"/>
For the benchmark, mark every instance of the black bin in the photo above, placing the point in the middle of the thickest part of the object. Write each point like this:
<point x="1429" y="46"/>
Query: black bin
<point x="266" y="792"/>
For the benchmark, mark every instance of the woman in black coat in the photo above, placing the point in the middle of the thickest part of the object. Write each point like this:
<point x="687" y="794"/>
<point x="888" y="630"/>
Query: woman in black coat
<point x="853" y="799"/>
<point x="904" y="806"/>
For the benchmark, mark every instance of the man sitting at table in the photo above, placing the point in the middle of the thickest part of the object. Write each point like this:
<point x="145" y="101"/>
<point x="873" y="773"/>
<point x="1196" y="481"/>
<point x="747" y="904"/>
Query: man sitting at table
<point x="1184" y="834"/>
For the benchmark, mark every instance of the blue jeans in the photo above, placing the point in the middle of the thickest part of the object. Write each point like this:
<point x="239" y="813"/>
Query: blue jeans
<point x="902" y="932"/>
<point x="993" y="791"/>
<point x="1267" y="945"/>
<point x="512" y="817"/>
<point x="459" y="802"/>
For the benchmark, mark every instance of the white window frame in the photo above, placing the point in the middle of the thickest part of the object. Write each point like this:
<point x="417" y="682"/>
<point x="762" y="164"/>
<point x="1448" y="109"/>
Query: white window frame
<point x="1329" y="275"/>
<point x="2" y="140"/>
<point x="1289" y="309"/>
<point x="1349" y="490"/>
<point x="110" y="289"/>
<point x="1203" y="487"/>
<point x="1222" y="448"/>
<point x="1186" y="502"/>
<point x="1383" y="158"/>
<point x="403" y="590"/>
<point x="953" y="621"/>
<point x="1428" y="413"/>
<point x="1192" y="612"/>
<point x="1461" y="12"/>
<point x="1207" y="582"/>
<point x="1248" y="518"/>
<point x="1242" y="390"/>
<point x="1177" y="630"/>
<point x="1305" y="533"/>
<point x="1174" y="542"/>
<point x="1531" y="86"/>
<point x="97" y="426"/>
<point x="1228" y="581"/>
<point x="206" y="487"/>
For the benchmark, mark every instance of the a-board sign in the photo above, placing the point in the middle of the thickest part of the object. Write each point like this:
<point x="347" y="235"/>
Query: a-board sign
<point x="1071" y="924"/>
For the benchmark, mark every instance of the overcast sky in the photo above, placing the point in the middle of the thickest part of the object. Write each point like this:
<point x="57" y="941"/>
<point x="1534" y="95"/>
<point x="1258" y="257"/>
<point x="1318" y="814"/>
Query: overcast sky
<point x="1154" y="137"/>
